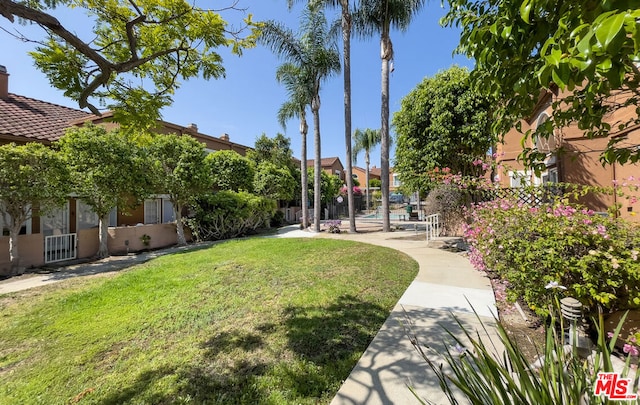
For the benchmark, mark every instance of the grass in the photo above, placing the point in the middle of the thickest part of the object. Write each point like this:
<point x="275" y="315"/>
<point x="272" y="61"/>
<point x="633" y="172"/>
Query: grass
<point x="256" y="321"/>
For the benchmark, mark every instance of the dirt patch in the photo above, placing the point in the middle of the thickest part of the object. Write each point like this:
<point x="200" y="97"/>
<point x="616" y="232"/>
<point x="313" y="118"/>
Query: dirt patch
<point x="523" y="326"/>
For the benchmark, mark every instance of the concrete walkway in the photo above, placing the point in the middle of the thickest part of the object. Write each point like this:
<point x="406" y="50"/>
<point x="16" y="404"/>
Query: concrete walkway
<point x="446" y="284"/>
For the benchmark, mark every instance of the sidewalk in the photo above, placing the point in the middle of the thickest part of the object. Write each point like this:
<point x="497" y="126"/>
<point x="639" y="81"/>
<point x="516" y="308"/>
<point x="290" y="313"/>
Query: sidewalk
<point x="444" y="284"/>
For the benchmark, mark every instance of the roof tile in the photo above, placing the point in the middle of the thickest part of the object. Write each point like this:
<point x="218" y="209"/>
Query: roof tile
<point x="35" y="119"/>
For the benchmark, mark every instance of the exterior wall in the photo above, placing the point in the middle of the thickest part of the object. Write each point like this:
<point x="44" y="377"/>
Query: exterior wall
<point x="579" y="160"/>
<point x="88" y="243"/>
<point x="362" y="175"/>
<point x="30" y="249"/>
<point x="127" y="239"/>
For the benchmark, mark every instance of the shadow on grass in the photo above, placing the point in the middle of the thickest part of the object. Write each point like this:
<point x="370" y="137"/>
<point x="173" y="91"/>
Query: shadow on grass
<point x="319" y="347"/>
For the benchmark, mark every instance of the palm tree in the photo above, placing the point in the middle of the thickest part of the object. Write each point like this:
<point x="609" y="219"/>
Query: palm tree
<point x="317" y="56"/>
<point x="345" y="23"/>
<point x="379" y="16"/>
<point x="299" y="88"/>
<point x="365" y="141"/>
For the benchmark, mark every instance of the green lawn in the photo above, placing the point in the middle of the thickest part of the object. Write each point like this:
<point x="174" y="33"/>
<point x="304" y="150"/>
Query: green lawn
<point x="255" y="321"/>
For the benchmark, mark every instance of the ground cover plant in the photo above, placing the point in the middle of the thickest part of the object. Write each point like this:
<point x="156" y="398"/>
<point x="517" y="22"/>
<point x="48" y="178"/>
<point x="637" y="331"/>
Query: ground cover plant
<point x="258" y="321"/>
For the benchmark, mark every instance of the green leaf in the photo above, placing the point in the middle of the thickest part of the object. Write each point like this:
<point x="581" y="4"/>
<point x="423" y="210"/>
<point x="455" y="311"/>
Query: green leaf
<point x="525" y="10"/>
<point x="609" y="28"/>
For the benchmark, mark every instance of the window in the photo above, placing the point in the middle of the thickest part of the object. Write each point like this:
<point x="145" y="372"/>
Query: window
<point x="57" y="222"/>
<point x="113" y="217"/>
<point x="396" y="181"/>
<point x="152" y="211"/>
<point x="85" y="216"/>
<point x="5" y="222"/>
<point x="519" y="178"/>
<point x="167" y="212"/>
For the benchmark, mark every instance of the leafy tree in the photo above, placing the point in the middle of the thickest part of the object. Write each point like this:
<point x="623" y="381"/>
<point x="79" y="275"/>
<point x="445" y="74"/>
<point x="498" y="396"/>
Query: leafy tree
<point x="317" y="56"/>
<point x="158" y="40"/>
<point x="379" y="16"/>
<point x="274" y="182"/>
<point x="180" y="171"/>
<point x="330" y="186"/>
<point x="107" y="171"/>
<point x="31" y="176"/>
<point x="587" y="50"/>
<point x="375" y="183"/>
<point x="365" y="141"/>
<point x="231" y="171"/>
<point x="300" y="90"/>
<point x="442" y="122"/>
<point x="276" y="150"/>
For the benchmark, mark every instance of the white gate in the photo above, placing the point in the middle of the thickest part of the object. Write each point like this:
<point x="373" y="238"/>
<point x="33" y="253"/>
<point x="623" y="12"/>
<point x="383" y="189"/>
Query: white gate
<point x="60" y="247"/>
<point x="433" y="226"/>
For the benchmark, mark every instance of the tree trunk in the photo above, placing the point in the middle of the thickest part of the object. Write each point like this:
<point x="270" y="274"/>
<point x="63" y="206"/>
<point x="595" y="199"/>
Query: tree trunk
<point x="14" y="257"/>
<point x="386" y="54"/>
<point x="317" y="178"/>
<point x="304" y="128"/>
<point x="103" y="235"/>
<point x="177" y="210"/>
<point x="346" y="40"/>
<point x="367" y="161"/>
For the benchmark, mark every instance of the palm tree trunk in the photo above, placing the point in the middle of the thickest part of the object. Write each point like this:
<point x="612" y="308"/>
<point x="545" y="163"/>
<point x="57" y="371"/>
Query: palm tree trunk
<point x="317" y="178"/>
<point x="385" y="54"/>
<point x="367" y="162"/>
<point x="303" y="171"/>
<point x="346" y="40"/>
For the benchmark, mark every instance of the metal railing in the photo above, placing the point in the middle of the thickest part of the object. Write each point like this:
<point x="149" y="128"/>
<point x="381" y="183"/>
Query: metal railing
<point x="58" y="248"/>
<point x="433" y="226"/>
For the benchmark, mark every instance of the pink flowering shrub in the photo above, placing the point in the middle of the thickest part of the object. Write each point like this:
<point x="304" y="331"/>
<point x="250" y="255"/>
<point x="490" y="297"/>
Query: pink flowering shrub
<point x="596" y="257"/>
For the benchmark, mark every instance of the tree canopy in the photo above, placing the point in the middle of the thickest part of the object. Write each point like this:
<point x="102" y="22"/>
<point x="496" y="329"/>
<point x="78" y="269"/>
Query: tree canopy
<point x="274" y="182"/>
<point x="107" y="171"/>
<point x="276" y="150"/>
<point x="588" y="50"/>
<point x="231" y="171"/>
<point x="179" y="171"/>
<point x="31" y="176"/>
<point x="442" y="122"/>
<point x="162" y="41"/>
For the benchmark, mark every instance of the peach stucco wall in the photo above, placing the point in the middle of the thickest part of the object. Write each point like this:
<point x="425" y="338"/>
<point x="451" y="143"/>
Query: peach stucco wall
<point x="30" y="250"/>
<point x="127" y="239"/>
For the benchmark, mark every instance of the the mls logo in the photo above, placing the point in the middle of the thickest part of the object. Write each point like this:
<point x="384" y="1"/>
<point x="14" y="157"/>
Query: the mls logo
<point x="614" y="387"/>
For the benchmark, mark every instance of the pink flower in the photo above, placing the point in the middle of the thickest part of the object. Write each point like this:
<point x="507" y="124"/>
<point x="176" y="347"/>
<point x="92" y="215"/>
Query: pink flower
<point x="631" y="349"/>
<point x="609" y="335"/>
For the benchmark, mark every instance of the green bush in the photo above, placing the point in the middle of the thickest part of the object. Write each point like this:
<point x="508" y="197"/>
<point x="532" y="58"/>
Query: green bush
<point x="228" y="214"/>
<point x="595" y="257"/>
<point x="277" y="219"/>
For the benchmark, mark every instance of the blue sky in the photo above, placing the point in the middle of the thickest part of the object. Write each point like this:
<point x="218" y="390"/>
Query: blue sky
<point x="245" y="103"/>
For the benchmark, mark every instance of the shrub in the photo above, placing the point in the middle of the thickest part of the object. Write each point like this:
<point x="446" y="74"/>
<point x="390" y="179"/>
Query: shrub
<point x="277" y="219"/>
<point x="334" y="225"/>
<point x="594" y="256"/>
<point x="228" y="214"/>
<point x="448" y="201"/>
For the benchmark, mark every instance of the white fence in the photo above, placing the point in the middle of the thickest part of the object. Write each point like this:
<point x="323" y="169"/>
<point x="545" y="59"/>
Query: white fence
<point x="433" y="226"/>
<point x="60" y="247"/>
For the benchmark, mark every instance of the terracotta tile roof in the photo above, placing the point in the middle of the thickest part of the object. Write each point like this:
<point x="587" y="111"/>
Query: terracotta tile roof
<point x="35" y="120"/>
<point x="324" y="161"/>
